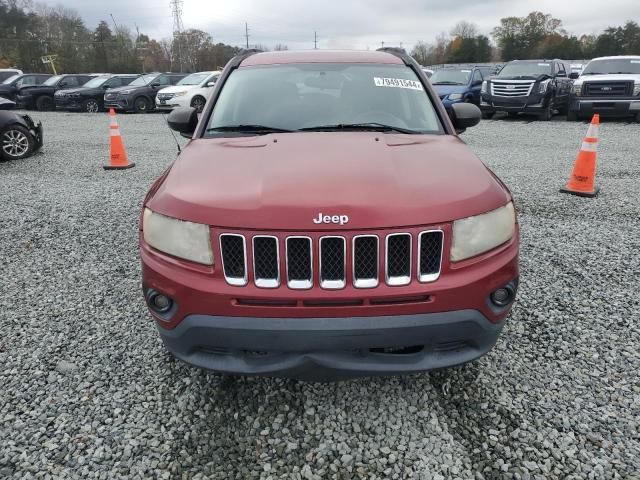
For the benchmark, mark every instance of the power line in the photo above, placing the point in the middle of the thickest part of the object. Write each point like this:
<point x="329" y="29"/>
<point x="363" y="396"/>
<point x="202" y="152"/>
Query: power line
<point x="176" y="11"/>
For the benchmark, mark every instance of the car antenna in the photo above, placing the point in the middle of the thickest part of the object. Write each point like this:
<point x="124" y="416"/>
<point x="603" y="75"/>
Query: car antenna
<point x="172" y="134"/>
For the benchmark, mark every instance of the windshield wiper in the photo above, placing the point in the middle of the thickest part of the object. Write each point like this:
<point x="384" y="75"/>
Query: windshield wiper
<point x="373" y="126"/>
<point x="447" y="83"/>
<point x="258" y="129"/>
<point x="593" y="73"/>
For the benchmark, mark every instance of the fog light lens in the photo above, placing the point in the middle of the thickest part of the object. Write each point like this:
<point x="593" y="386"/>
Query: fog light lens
<point x="503" y="296"/>
<point x="158" y="302"/>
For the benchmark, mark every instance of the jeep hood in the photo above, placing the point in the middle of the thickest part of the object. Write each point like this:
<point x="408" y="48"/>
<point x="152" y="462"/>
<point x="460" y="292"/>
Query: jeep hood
<point x="449" y="89"/>
<point x="283" y="181"/>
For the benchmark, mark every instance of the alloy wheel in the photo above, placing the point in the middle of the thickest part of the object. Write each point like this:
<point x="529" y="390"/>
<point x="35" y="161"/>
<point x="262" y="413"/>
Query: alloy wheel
<point x="15" y="143"/>
<point x="92" y="106"/>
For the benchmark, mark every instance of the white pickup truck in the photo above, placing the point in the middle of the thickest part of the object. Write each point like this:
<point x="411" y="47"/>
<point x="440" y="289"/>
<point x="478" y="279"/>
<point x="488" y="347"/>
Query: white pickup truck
<point x="609" y="86"/>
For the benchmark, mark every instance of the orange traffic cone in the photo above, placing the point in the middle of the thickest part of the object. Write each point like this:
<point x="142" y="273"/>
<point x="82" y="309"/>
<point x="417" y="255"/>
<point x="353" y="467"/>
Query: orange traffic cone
<point x="119" y="159"/>
<point x="582" y="180"/>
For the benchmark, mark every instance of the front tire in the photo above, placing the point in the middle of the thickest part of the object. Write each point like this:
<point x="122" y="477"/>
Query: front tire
<point x="141" y="105"/>
<point x="488" y="115"/>
<point x="547" y="113"/>
<point x="15" y="143"/>
<point x="91" y="106"/>
<point x="572" y="116"/>
<point x="45" y="103"/>
<point x="198" y="102"/>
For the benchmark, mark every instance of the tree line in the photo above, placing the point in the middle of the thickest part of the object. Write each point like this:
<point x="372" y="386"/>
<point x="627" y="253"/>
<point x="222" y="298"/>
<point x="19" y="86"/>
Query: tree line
<point x="538" y="35"/>
<point x="30" y="31"/>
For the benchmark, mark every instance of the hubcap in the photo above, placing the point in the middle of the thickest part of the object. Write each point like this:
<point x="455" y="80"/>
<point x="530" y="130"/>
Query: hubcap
<point x="142" y="105"/>
<point x="198" y="104"/>
<point x="92" y="107"/>
<point x="15" y="143"/>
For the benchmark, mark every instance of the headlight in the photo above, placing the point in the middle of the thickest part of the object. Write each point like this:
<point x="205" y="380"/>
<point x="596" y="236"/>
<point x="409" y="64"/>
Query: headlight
<point x="636" y="88"/>
<point x="179" y="94"/>
<point x="576" y="89"/>
<point x="485" y="87"/>
<point x="125" y="92"/>
<point x="188" y="240"/>
<point x="74" y="95"/>
<point x="475" y="235"/>
<point x="455" y="96"/>
<point x="543" y="85"/>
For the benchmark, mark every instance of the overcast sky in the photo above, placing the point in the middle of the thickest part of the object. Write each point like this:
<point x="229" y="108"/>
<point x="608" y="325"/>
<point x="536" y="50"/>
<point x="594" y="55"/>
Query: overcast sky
<point x="346" y="23"/>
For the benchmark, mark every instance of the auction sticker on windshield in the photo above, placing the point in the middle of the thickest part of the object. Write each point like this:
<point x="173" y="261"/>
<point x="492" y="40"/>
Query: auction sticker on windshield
<point x="397" y="83"/>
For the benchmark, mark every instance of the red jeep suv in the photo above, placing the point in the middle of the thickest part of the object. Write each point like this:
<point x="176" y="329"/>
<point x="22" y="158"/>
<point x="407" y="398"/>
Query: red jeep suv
<point x="326" y="221"/>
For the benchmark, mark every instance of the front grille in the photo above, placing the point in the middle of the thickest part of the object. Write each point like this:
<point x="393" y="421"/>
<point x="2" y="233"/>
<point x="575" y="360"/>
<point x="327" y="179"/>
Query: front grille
<point x="266" y="262"/>
<point x="299" y="263"/>
<point x="234" y="258"/>
<point x="333" y="258"/>
<point x="511" y="88"/>
<point x="607" y="89"/>
<point x="395" y="264"/>
<point x="398" y="259"/>
<point x="166" y="96"/>
<point x="366" y="258"/>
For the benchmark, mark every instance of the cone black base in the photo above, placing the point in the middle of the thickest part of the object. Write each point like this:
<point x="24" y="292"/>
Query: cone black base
<point x="109" y="167"/>
<point x="591" y="194"/>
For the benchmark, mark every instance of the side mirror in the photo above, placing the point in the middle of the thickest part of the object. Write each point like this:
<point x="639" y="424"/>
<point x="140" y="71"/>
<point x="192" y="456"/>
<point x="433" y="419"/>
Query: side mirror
<point x="464" y="115"/>
<point x="476" y="83"/>
<point x="211" y="84"/>
<point x="154" y="85"/>
<point x="183" y="120"/>
<point x="574" y="75"/>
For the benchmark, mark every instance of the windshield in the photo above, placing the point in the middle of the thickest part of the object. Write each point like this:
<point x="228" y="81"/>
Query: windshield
<point x="194" y="79"/>
<point x="96" y="82"/>
<point x="52" y="80"/>
<point x="143" y="80"/>
<point x="305" y="96"/>
<point x="451" y="77"/>
<point x="525" y="69"/>
<point x="11" y="79"/>
<point x="617" y="65"/>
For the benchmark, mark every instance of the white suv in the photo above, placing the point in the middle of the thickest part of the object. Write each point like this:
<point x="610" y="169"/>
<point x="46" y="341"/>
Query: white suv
<point x="192" y="91"/>
<point x="609" y="86"/>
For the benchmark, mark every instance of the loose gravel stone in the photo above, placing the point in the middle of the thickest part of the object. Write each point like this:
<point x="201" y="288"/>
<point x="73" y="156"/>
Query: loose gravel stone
<point x="89" y="392"/>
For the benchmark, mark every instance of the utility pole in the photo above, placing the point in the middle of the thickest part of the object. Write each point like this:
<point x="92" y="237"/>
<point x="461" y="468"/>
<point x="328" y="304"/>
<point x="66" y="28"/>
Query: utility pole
<point x="246" y="33"/>
<point x="176" y="11"/>
<point x="315" y="40"/>
<point x="383" y="44"/>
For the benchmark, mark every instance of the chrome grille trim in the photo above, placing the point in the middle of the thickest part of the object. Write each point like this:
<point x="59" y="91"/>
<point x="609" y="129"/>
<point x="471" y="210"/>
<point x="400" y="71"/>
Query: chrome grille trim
<point x="235" y="281"/>
<point x="299" y="284"/>
<point x="365" y="282"/>
<point x="399" y="280"/>
<point x="266" y="282"/>
<point x="429" y="277"/>
<point x="521" y="88"/>
<point x="333" y="284"/>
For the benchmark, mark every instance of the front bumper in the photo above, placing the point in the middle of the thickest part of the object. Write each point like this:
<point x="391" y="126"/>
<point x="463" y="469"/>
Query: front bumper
<point x="332" y="348"/>
<point x="614" y="107"/>
<point x="171" y="103"/>
<point x="24" y="101"/>
<point x="68" y="103"/>
<point x="535" y="103"/>
<point x="118" y="103"/>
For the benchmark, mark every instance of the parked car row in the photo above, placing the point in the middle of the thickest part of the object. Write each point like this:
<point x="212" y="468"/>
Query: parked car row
<point x="609" y="86"/>
<point x="98" y="91"/>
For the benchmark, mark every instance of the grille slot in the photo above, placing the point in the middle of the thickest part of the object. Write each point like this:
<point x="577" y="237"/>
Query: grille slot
<point x="608" y="89"/>
<point x="429" y="255"/>
<point x="365" y="261"/>
<point x="234" y="258"/>
<point x="398" y="259"/>
<point x="333" y="258"/>
<point x="266" y="262"/>
<point x="299" y="258"/>
<point x="511" y="88"/>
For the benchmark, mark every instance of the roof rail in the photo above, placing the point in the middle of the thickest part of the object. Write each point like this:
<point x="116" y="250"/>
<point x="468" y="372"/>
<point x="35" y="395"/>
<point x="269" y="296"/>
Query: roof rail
<point x="401" y="53"/>
<point x="242" y="55"/>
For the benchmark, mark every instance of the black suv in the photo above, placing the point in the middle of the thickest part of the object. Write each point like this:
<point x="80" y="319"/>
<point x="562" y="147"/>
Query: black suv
<point x="40" y="97"/>
<point x="140" y="95"/>
<point x="90" y="97"/>
<point x="10" y="86"/>
<point x="540" y="87"/>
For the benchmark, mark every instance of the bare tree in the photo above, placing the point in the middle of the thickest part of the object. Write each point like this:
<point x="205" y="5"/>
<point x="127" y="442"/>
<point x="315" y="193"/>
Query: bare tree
<point x="464" y="29"/>
<point x="280" y="47"/>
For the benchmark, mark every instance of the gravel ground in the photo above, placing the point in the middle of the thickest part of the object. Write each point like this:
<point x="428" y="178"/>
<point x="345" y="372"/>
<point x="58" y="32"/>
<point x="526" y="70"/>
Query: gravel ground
<point x="87" y="390"/>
